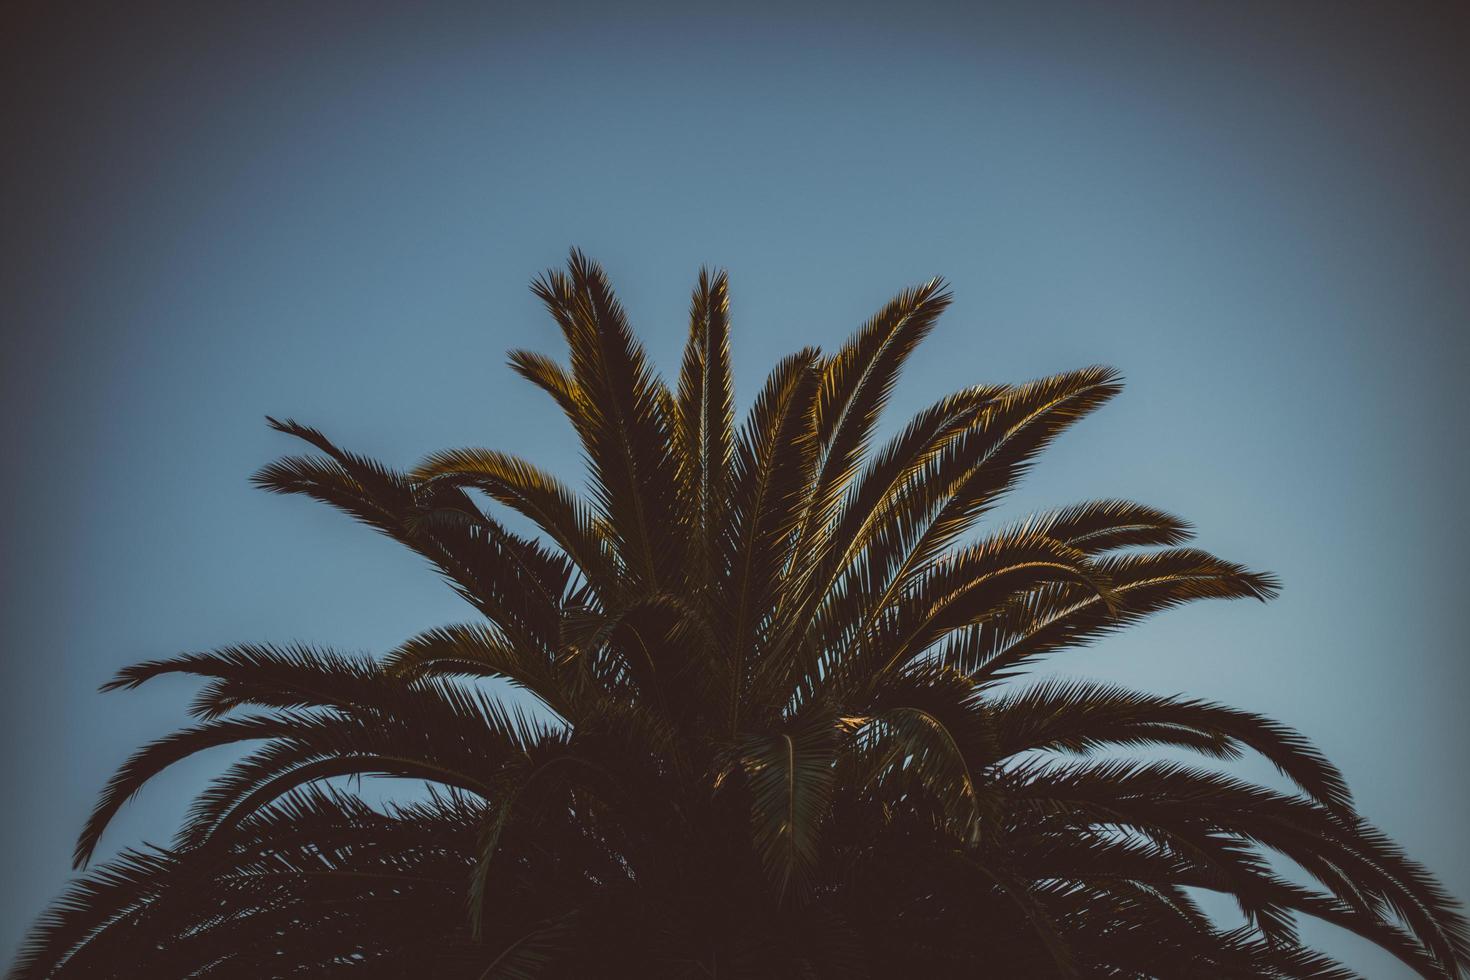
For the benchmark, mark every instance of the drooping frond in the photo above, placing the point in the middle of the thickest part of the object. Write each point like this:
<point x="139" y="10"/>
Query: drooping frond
<point x="921" y="737"/>
<point x="1061" y="615"/>
<point x="475" y="650"/>
<point x="1076" y="716"/>
<point x="791" y="778"/>
<point x="331" y="716"/>
<point x="318" y="878"/>
<point x="513" y="581"/>
<point x="534" y="494"/>
<point x="1106" y="525"/>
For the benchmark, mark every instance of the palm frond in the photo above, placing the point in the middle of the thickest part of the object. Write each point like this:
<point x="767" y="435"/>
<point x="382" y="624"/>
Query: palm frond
<point x="1077" y="716"/>
<point x="704" y="420"/>
<point x="791" y="779"/>
<point x="775" y="452"/>
<point x="855" y="385"/>
<point x="624" y="419"/>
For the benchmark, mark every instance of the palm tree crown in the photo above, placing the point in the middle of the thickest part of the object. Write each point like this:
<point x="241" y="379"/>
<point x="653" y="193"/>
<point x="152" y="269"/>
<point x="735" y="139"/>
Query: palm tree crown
<point x="773" y="722"/>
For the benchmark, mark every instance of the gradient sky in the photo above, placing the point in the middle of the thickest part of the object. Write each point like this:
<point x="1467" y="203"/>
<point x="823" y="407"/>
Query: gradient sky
<point x="1260" y="213"/>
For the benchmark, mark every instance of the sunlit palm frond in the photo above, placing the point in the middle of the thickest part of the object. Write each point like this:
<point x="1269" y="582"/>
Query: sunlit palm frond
<point x="775" y="453"/>
<point x="625" y="420"/>
<point x="704" y="422"/>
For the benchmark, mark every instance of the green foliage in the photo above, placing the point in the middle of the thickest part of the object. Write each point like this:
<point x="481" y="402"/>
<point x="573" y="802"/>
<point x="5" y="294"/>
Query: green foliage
<point x="778" y="730"/>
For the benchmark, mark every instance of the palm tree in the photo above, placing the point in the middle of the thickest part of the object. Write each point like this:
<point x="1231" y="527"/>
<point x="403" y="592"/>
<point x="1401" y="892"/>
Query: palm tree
<point x="771" y="721"/>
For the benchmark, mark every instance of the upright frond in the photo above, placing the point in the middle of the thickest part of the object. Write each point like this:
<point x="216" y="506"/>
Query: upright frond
<point x="624" y="411"/>
<point x="705" y="420"/>
<point x="775" y="453"/>
<point x="856" y="383"/>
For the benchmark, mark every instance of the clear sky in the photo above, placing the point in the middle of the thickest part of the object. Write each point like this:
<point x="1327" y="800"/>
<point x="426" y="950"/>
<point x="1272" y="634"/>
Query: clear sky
<point x="1259" y="213"/>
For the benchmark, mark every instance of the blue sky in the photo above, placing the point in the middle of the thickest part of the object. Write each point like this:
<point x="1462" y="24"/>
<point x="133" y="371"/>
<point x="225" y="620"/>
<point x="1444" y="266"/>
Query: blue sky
<point x="1257" y="212"/>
